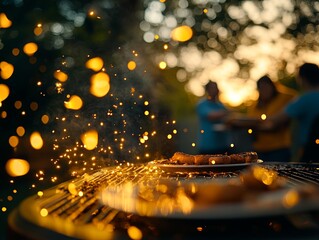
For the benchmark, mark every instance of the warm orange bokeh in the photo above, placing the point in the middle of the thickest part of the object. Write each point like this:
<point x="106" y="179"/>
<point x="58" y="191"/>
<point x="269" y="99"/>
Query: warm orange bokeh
<point x="30" y="48"/>
<point x="182" y="33"/>
<point x="74" y="103"/>
<point x="17" y="167"/>
<point x="4" y="21"/>
<point x="90" y="139"/>
<point x="6" y="70"/>
<point x="95" y="64"/>
<point x="100" y="84"/>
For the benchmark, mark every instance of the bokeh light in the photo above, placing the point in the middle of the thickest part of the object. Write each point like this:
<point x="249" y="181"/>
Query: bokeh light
<point x="100" y="84"/>
<point x="20" y="131"/>
<point x="17" y="167"/>
<point x="134" y="233"/>
<point x="30" y="48"/>
<point x="13" y="141"/>
<point x="5" y="22"/>
<point x="45" y="119"/>
<point x="182" y="34"/>
<point x="96" y="64"/>
<point x="6" y="70"/>
<point x="90" y="139"/>
<point x="131" y="65"/>
<point x="74" y="103"/>
<point x="4" y="92"/>
<point x="36" y="140"/>
<point x="61" y="76"/>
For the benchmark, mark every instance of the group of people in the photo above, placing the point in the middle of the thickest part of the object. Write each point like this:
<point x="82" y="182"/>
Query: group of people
<point x="279" y="120"/>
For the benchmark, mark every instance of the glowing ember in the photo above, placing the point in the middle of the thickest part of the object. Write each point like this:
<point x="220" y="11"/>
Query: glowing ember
<point x="17" y="167"/>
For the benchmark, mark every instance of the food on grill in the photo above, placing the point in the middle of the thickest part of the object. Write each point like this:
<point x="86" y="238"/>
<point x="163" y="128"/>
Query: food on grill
<point x="220" y="159"/>
<point x="248" y="186"/>
<point x="210" y="159"/>
<point x="180" y="157"/>
<point x="251" y="184"/>
<point x="245" y="157"/>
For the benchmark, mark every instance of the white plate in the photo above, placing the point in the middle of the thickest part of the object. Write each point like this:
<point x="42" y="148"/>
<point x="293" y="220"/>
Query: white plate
<point x="164" y="165"/>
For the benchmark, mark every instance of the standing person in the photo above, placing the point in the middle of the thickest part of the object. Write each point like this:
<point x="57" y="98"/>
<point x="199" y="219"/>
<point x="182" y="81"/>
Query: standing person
<point x="211" y="112"/>
<point x="275" y="144"/>
<point x="304" y="109"/>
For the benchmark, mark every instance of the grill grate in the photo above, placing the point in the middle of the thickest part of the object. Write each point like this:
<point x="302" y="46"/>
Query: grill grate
<point x="297" y="173"/>
<point x="78" y="201"/>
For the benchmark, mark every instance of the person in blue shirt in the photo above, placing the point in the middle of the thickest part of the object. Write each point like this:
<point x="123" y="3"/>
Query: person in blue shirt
<point x="304" y="109"/>
<point x="213" y="137"/>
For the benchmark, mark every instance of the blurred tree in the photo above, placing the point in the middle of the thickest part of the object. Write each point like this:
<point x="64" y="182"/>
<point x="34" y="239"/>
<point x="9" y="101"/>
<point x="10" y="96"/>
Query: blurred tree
<point x="233" y="42"/>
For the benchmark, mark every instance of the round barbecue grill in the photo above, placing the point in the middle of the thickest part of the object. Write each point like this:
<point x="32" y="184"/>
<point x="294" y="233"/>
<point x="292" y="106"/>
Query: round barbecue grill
<point x="76" y="209"/>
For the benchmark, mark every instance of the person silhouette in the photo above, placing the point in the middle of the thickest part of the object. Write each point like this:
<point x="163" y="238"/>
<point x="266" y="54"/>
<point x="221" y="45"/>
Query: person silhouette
<point x="213" y="138"/>
<point x="272" y="99"/>
<point x="303" y="109"/>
